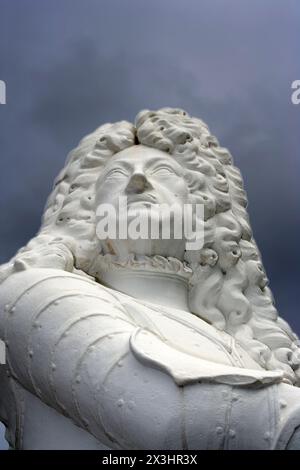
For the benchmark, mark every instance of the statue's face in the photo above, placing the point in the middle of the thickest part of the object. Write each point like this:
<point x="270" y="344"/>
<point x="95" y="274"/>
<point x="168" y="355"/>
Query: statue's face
<point x="147" y="177"/>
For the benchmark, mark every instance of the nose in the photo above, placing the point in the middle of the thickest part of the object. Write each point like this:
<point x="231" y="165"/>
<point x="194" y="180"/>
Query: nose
<point x="138" y="183"/>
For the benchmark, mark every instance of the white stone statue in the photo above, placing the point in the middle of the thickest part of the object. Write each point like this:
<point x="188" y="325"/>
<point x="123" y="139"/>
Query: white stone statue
<point x="142" y="344"/>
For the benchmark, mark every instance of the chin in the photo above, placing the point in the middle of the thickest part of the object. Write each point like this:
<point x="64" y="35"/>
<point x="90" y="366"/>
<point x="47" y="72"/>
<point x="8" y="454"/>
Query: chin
<point x="148" y="247"/>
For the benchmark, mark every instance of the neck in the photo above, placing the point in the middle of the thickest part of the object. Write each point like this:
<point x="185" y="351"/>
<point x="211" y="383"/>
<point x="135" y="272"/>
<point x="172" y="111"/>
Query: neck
<point x="159" y="288"/>
<point x="163" y="285"/>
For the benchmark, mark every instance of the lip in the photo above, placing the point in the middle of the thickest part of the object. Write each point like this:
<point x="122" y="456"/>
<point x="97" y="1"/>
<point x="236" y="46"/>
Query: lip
<point x="147" y="198"/>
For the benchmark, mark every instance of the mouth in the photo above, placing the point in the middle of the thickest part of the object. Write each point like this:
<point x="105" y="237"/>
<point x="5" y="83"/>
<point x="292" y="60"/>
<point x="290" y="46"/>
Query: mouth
<point x="141" y="198"/>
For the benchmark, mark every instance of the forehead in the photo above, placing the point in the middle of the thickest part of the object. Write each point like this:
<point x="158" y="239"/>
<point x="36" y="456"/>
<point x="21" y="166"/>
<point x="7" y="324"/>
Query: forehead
<point x="141" y="154"/>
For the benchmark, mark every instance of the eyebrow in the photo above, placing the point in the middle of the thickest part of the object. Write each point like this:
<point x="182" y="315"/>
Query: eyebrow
<point x="123" y="164"/>
<point x="152" y="162"/>
<point x="156" y="162"/>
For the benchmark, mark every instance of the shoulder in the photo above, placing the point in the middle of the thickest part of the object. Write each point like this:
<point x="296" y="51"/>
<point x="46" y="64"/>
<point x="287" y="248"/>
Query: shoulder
<point x="35" y="287"/>
<point x="288" y="435"/>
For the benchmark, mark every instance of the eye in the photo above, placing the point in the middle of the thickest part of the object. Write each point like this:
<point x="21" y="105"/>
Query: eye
<point x="116" y="173"/>
<point x="163" y="171"/>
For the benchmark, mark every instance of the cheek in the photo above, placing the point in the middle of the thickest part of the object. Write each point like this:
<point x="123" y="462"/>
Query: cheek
<point x="172" y="190"/>
<point x="110" y="190"/>
<point x="179" y="189"/>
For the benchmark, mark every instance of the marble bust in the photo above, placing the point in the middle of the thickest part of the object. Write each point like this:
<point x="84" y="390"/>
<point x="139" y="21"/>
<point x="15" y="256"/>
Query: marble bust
<point x="141" y="343"/>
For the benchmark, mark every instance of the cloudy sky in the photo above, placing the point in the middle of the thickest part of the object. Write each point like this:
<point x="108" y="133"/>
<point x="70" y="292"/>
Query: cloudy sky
<point x="70" y="65"/>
